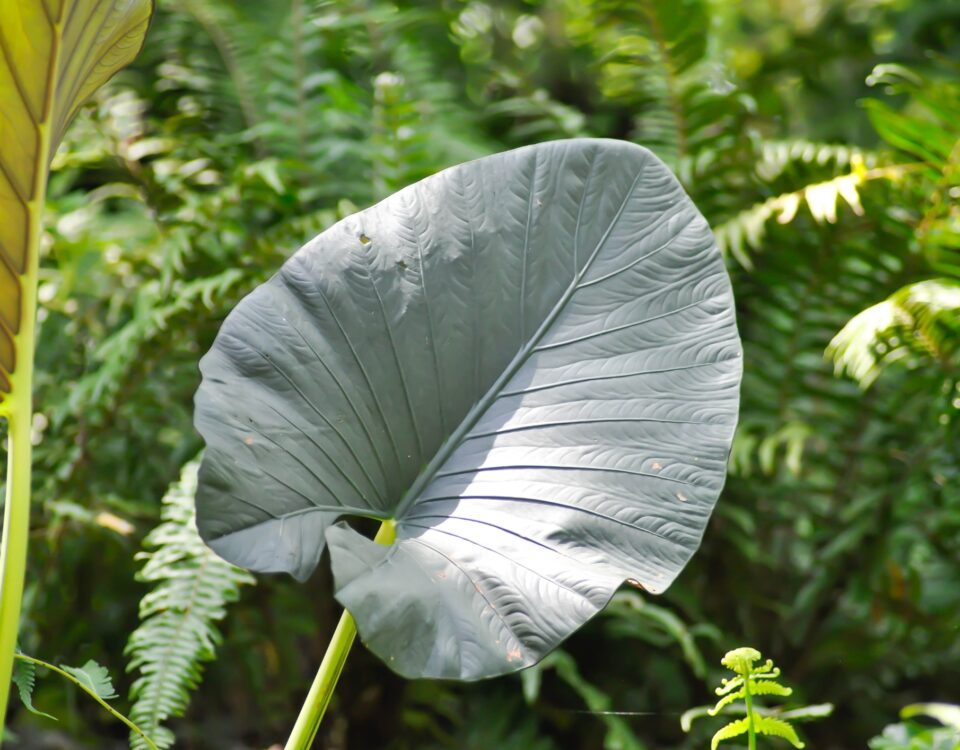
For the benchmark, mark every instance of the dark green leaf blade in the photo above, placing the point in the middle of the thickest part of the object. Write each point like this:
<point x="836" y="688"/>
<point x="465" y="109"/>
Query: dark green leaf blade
<point x="530" y="361"/>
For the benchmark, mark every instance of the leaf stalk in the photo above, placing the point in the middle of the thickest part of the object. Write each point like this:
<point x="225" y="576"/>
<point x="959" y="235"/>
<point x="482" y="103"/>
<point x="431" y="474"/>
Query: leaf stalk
<point x="16" y="530"/>
<point x="321" y="691"/>
<point x="748" y="699"/>
<point x="19" y="414"/>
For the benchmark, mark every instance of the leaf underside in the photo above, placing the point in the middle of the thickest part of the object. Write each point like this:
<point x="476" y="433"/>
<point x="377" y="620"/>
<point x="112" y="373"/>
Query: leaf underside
<point x="53" y="55"/>
<point x="530" y="361"/>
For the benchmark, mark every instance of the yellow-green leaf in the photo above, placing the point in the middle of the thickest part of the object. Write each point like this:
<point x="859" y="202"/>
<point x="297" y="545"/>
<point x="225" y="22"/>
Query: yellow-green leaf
<point x="769" y="687"/>
<point x="53" y="55"/>
<point x="773" y="727"/>
<point x="727" y="700"/>
<point x="733" y="729"/>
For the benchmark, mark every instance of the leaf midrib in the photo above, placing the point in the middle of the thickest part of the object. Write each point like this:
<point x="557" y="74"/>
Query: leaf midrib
<point x="515" y="364"/>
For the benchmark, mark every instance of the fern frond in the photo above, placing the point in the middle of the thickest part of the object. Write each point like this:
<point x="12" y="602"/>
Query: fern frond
<point x="773" y="727"/>
<point x="854" y="349"/>
<point x="649" y="55"/>
<point x="221" y="22"/>
<point x="177" y="632"/>
<point x="754" y="444"/>
<point x="94" y="677"/>
<point x="155" y="310"/>
<point x="927" y="316"/>
<point x="769" y="687"/>
<point x="540" y="117"/>
<point x="740" y="660"/>
<point x="776" y="157"/>
<point x="752" y="680"/>
<point x="927" y="128"/>
<point x="731" y="730"/>
<point x="401" y="146"/>
<point x="747" y="229"/>
<point x="728" y="685"/>
<point x="728" y="699"/>
<point x="25" y="678"/>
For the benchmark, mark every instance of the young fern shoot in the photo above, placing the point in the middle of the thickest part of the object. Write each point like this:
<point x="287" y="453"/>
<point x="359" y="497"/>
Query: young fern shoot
<point x="751" y="681"/>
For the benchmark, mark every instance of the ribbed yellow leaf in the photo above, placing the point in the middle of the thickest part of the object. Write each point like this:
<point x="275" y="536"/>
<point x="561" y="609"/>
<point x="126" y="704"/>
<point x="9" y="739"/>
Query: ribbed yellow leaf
<point x="53" y="55"/>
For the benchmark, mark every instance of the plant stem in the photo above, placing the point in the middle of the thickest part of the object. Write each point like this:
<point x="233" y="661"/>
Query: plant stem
<point x="19" y="409"/>
<point x="16" y="530"/>
<point x="315" y="705"/>
<point x="47" y="665"/>
<point x="748" y="699"/>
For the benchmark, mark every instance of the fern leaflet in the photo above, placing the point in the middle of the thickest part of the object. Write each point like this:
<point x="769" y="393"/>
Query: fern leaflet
<point x="731" y="730"/>
<point x="25" y="678"/>
<point x="192" y="587"/>
<point x="94" y="677"/>
<point x="773" y="727"/>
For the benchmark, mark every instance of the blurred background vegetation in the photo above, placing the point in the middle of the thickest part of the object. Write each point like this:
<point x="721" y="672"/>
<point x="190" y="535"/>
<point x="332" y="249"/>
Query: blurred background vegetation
<point x="820" y="139"/>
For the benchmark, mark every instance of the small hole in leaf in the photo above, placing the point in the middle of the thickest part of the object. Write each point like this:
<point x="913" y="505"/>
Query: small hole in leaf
<point x="364" y="240"/>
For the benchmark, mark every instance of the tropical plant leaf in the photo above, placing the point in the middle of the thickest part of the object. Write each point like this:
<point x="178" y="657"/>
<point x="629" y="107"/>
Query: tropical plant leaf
<point x="530" y="362"/>
<point x="55" y="53"/>
<point x="25" y="678"/>
<point x="95" y="677"/>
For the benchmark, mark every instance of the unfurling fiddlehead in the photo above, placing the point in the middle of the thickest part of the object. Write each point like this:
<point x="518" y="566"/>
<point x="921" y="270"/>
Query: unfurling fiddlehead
<point x="750" y="682"/>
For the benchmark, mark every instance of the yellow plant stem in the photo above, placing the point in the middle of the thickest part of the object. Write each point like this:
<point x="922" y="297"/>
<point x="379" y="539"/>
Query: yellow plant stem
<point x="13" y="552"/>
<point x="18" y="411"/>
<point x="748" y="699"/>
<point x="314" y="707"/>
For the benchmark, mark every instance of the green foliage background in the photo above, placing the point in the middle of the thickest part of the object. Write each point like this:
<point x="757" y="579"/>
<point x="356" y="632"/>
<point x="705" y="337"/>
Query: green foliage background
<point x="247" y="127"/>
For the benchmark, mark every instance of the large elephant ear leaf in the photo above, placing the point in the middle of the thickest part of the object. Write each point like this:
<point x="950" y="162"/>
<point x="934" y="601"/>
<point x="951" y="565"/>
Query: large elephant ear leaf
<point x="53" y="55"/>
<point x="528" y="362"/>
